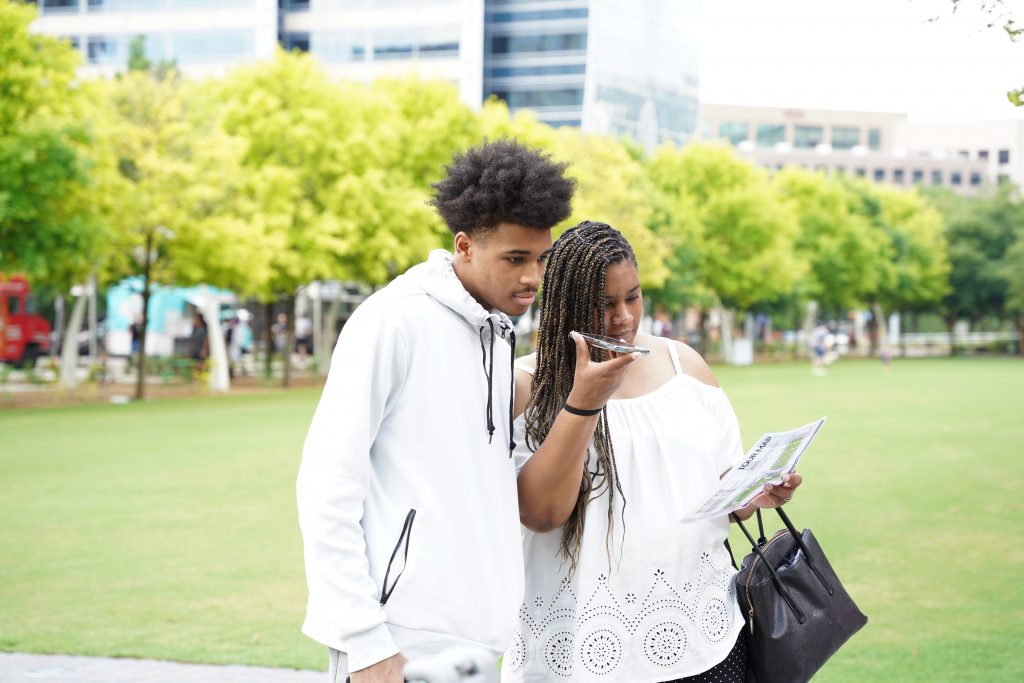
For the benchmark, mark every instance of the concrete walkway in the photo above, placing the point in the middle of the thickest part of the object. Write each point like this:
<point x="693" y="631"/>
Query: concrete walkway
<point x="23" y="668"/>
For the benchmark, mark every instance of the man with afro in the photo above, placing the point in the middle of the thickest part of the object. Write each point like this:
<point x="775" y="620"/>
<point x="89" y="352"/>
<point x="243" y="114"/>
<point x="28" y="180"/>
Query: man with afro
<point x="407" y="491"/>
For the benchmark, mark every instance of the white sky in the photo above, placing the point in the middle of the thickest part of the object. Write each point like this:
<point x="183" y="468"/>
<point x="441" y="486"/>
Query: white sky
<point x="866" y="55"/>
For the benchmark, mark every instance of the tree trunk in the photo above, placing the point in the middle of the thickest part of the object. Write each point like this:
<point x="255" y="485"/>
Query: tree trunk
<point x="268" y="340"/>
<point x="327" y="339"/>
<point x="1019" y="320"/>
<point x="289" y="346"/>
<point x="58" y="310"/>
<point x="702" y="333"/>
<point x="881" y="327"/>
<point x="140" y="375"/>
<point x="950" y="326"/>
<point x="93" y="331"/>
<point x="725" y="317"/>
<point x="69" y="351"/>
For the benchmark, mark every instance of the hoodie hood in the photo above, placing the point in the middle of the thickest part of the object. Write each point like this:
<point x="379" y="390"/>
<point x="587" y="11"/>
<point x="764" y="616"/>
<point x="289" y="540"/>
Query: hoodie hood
<point x="436" y="277"/>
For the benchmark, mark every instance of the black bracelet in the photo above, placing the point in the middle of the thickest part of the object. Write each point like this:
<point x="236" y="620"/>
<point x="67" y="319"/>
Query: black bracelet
<point x="580" y="411"/>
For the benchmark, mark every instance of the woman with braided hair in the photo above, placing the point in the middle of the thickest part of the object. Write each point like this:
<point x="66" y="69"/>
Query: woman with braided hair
<point x="612" y="452"/>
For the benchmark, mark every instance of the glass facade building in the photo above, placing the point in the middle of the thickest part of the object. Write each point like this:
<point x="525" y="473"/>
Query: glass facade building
<point x="621" y="67"/>
<point x="610" y="66"/>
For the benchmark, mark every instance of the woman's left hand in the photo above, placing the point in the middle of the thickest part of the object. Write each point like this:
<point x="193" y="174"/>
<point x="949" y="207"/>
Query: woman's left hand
<point x="777" y="495"/>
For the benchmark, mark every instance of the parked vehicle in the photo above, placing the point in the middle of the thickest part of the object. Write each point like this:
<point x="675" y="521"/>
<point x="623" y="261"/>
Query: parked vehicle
<point x="24" y="336"/>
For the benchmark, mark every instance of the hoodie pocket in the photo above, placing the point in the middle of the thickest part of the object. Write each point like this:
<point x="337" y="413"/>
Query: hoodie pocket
<point x="401" y="547"/>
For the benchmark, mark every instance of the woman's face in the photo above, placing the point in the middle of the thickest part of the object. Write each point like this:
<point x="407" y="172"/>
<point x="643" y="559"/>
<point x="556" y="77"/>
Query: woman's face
<point x="623" y="301"/>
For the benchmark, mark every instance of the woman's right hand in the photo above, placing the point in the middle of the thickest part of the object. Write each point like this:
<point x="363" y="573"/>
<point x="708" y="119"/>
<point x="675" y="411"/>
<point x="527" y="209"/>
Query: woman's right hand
<point x="594" y="382"/>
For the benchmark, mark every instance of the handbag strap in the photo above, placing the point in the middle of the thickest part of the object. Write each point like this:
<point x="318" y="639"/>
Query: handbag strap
<point x="797" y="537"/>
<point x="782" y="590"/>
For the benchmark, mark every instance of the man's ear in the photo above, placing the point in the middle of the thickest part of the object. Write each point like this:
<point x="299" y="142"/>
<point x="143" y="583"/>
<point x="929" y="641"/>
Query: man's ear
<point x="463" y="247"/>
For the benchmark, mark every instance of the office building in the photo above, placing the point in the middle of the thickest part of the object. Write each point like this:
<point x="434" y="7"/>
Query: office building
<point x="885" y="147"/>
<point x="609" y="66"/>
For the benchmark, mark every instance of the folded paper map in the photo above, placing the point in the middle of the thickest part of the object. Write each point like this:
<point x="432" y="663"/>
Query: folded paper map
<point x="774" y="454"/>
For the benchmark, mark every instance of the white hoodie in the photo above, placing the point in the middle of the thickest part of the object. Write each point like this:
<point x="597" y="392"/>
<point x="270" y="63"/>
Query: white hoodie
<point x="416" y="379"/>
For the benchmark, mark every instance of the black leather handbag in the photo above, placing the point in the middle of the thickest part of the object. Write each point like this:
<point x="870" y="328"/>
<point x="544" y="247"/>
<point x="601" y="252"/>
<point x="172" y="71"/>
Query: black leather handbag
<point x="798" y="613"/>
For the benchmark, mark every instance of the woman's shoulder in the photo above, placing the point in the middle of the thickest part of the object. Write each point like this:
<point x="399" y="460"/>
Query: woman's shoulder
<point x="527" y="363"/>
<point x="693" y="363"/>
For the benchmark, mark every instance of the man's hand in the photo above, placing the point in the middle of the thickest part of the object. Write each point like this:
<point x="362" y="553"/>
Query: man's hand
<point x="386" y="671"/>
<point x="594" y="383"/>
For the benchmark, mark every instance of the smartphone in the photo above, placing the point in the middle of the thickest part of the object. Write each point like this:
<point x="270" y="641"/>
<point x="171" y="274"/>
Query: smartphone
<point x="612" y="344"/>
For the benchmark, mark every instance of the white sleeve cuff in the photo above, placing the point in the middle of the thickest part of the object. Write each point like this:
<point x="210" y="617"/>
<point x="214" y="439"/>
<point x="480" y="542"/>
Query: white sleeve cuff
<point x="366" y="648"/>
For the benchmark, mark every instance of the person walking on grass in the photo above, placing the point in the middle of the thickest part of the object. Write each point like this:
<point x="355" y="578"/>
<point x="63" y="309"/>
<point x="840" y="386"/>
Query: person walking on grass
<point x="407" y="489"/>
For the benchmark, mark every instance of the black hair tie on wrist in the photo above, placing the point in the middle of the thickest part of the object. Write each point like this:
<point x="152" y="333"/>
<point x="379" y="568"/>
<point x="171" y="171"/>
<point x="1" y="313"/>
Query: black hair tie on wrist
<point x="580" y="411"/>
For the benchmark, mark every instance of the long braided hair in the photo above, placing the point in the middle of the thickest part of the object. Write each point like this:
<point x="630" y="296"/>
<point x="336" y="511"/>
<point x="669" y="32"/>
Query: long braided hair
<point x="573" y="299"/>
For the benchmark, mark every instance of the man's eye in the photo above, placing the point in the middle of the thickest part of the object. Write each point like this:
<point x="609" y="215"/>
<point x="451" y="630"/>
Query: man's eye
<point x="516" y="260"/>
<point x="543" y="258"/>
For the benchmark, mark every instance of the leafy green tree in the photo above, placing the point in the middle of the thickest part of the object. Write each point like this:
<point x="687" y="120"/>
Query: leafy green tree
<point x="979" y="231"/>
<point x="345" y="167"/>
<point x="741" y="237"/>
<point x="47" y="226"/>
<point x="914" y="267"/>
<point x="841" y="247"/>
<point x="1012" y="265"/>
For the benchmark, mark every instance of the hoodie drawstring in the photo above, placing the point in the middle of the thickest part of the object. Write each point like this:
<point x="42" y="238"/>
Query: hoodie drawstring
<point x="511" y="393"/>
<point x="488" y="365"/>
<point x="489" y="373"/>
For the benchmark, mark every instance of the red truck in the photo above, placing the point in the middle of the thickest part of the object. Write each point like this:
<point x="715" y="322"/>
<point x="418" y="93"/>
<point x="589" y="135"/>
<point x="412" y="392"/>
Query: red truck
<point x="24" y="336"/>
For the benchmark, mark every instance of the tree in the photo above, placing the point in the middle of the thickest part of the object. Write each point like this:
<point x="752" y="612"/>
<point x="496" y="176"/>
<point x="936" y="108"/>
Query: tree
<point x="742" y="243"/>
<point x="841" y="247"/>
<point x="47" y="226"/>
<point x="914" y="266"/>
<point x="347" y="167"/>
<point x="979" y="231"/>
<point x="1012" y="266"/>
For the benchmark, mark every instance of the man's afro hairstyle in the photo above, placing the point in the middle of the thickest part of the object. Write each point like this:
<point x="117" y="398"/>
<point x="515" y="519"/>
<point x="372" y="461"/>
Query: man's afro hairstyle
<point x="503" y="182"/>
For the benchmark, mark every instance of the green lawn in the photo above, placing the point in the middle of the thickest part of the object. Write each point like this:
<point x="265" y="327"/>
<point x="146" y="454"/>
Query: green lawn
<point x="168" y="529"/>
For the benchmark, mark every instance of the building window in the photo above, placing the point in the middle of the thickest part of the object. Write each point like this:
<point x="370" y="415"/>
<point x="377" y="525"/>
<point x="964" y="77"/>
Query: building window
<point x="211" y="46"/>
<point x="103" y="50"/>
<point x="562" y="123"/>
<point x="562" y="97"/>
<point x="839" y="169"/>
<point x="539" y="15"/>
<point x="975" y="178"/>
<point x="956" y="178"/>
<point x="807" y="137"/>
<point x="339" y="46"/>
<point x="543" y="70"/>
<point x="552" y="42"/>
<point x="918" y="176"/>
<point x="1003" y="178"/>
<point x="769" y="134"/>
<point x="936" y="177"/>
<point x="733" y="131"/>
<point x="879" y="175"/>
<point x="874" y="139"/>
<point x="295" y="41"/>
<point x="1004" y="156"/>
<point x="982" y="155"/>
<point x="861" y="172"/>
<point x="845" y="138"/>
<point x="963" y="153"/>
<point x="57" y="6"/>
<point x="295" y="6"/>
<point x="897" y="176"/>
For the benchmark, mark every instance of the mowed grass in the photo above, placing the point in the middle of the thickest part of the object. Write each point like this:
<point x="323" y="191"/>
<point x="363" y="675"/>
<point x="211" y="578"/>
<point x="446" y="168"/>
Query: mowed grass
<point x="168" y="529"/>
